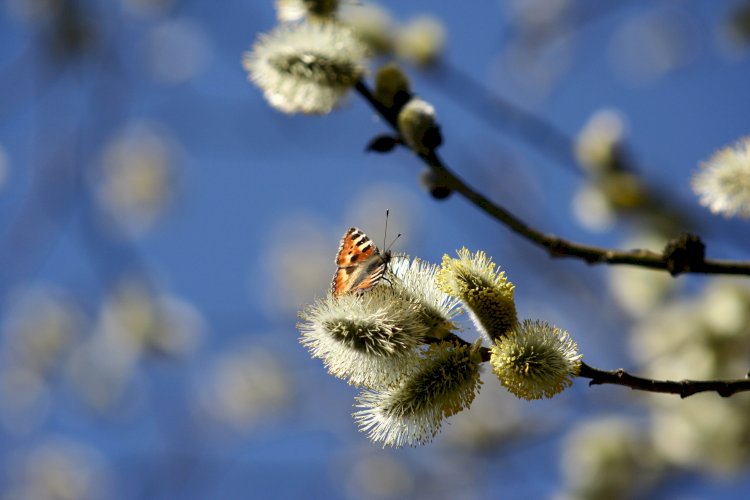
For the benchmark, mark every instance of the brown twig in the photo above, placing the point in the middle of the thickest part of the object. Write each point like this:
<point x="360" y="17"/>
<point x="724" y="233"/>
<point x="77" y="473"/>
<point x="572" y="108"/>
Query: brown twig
<point x="684" y="388"/>
<point x="556" y="246"/>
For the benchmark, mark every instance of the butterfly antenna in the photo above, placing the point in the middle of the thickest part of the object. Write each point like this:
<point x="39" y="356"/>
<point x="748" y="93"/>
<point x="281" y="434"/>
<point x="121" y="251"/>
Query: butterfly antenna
<point x="385" y="233"/>
<point x="392" y="242"/>
<point x="385" y="236"/>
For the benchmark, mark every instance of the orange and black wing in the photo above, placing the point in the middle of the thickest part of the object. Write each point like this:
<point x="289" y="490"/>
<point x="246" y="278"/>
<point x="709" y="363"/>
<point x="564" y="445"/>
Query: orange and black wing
<point x="361" y="276"/>
<point x="372" y="272"/>
<point x="360" y="264"/>
<point x="354" y="247"/>
<point x="342" y="281"/>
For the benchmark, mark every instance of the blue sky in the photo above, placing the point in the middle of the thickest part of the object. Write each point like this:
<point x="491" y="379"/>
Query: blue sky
<point x="245" y="232"/>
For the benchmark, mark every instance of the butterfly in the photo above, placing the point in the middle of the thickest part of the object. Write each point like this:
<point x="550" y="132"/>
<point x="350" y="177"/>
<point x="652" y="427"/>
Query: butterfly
<point x="360" y="264"/>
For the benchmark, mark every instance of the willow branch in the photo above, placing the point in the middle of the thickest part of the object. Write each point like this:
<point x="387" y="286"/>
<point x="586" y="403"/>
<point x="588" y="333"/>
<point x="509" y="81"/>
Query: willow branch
<point x="684" y="388"/>
<point x="556" y="246"/>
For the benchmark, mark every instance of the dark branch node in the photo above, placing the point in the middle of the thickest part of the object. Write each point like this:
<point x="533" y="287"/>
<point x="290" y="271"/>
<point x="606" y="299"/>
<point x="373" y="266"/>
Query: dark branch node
<point x="686" y="253"/>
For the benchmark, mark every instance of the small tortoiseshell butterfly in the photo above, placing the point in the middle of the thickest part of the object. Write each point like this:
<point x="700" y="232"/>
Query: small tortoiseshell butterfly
<point x="360" y="263"/>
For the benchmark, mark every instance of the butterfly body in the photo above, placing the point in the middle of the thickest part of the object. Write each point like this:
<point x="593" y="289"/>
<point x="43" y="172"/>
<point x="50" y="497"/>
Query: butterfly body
<point x="360" y="264"/>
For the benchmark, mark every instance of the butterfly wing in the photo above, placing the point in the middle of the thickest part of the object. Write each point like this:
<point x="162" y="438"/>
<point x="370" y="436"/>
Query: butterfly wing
<point x="354" y="247"/>
<point x="372" y="271"/>
<point x="360" y="263"/>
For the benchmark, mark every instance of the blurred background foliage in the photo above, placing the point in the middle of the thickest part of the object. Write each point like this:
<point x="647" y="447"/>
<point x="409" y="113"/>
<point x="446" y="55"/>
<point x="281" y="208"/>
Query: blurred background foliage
<point x="160" y="226"/>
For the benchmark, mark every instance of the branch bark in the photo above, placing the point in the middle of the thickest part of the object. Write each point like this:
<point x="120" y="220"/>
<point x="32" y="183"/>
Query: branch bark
<point x="684" y="388"/>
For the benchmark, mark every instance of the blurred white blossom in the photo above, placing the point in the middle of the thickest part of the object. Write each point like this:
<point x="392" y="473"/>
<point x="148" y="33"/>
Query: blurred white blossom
<point x="58" y="469"/>
<point x="723" y="183"/>
<point x="372" y="25"/>
<point x="535" y="58"/>
<point x="598" y="143"/>
<point x="150" y="320"/>
<point x="608" y="458"/>
<point x="592" y="208"/>
<point x="638" y="291"/>
<point x="135" y="180"/>
<point x="100" y="371"/>
<point x="421" y="41"/>
<point x="288" y="281"/>
<point x="703" y="432"/>
<point x="306" y="68"/>
<point x="705" y="337"/>
<point x="725" y="307"/>
<point x="649" y="45"/>
<point x="134" y="321"/>
<point x="243" y="386"/>
<point x="41" y="325"/>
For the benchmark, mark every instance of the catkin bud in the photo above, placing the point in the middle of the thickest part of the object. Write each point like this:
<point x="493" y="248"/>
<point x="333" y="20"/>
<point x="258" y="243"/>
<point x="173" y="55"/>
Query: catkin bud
<point x="435" y="183"/>
<point x="535" y="360"/>
<point x="392" y="86"/>
<point x="370" y="340"/>
<point x="486" y="293"/>
<point x="418" y="126"/>
<point x="445" y="383"/>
